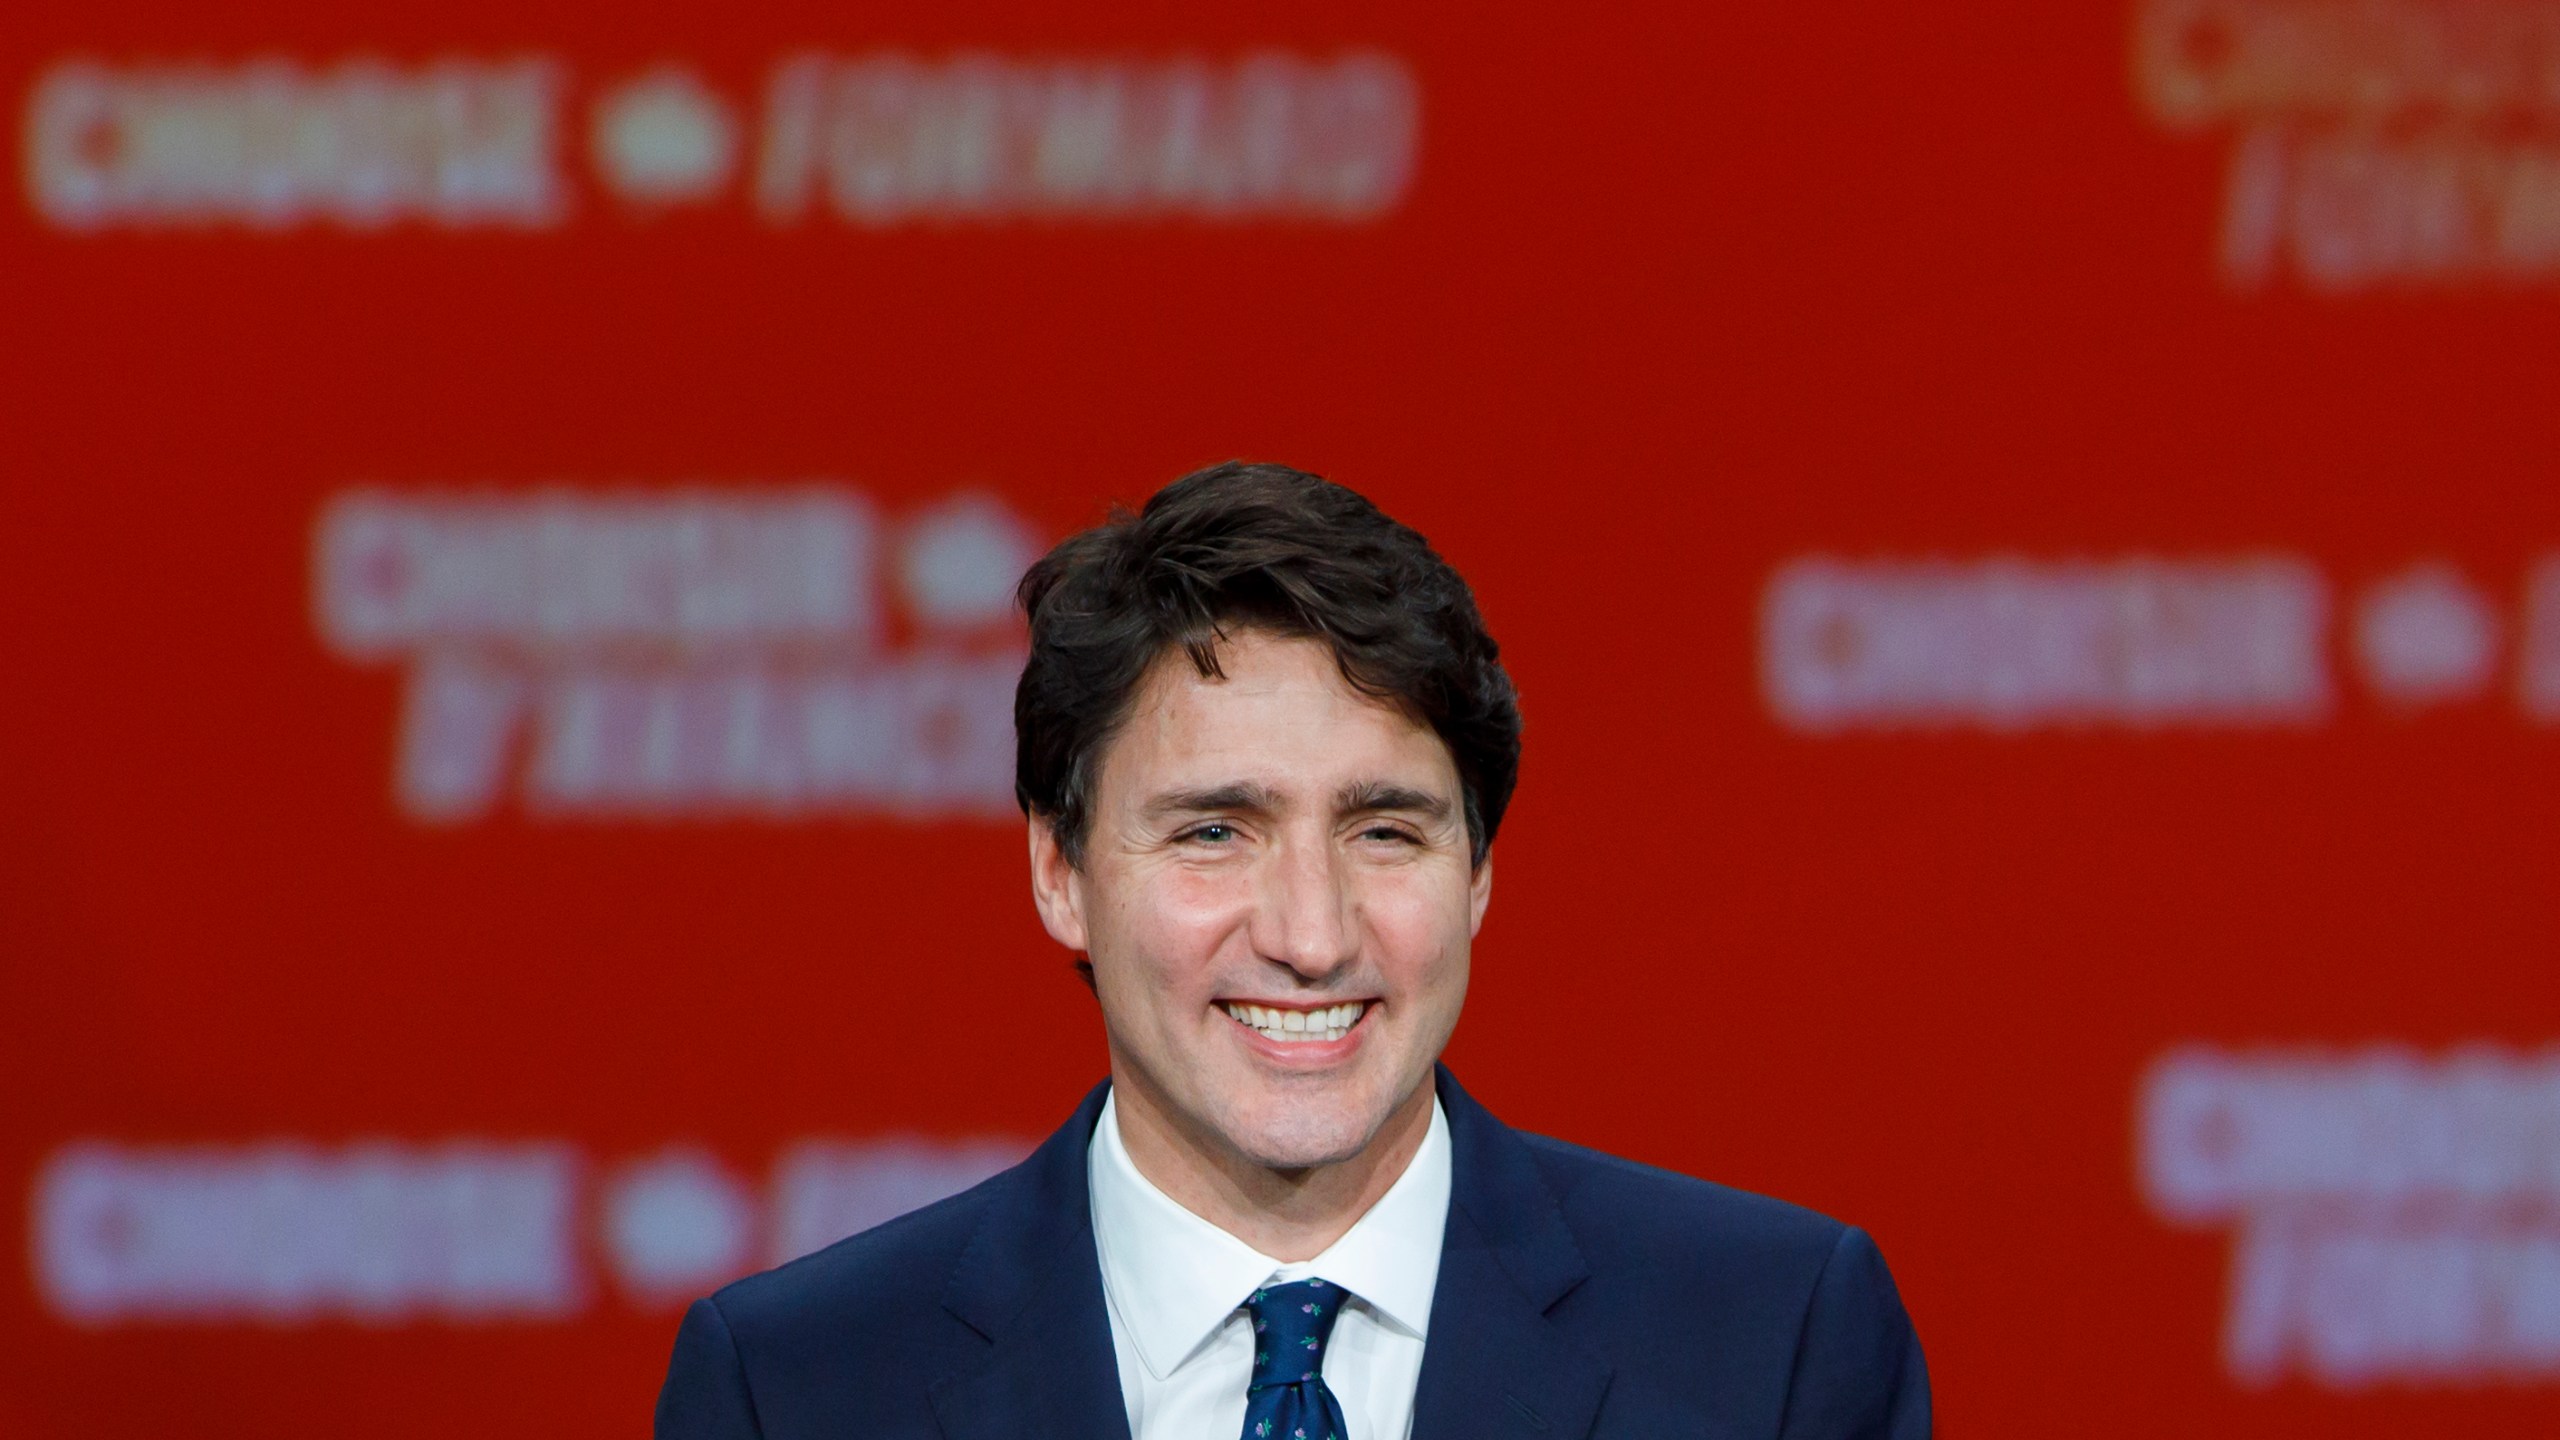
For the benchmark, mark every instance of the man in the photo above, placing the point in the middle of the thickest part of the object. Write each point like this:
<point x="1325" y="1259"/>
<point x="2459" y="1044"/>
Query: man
<point x="1264" y="744"/>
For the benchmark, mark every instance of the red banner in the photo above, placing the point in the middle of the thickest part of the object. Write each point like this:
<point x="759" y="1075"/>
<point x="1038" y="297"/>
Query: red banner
<point x="2024" y="535"/>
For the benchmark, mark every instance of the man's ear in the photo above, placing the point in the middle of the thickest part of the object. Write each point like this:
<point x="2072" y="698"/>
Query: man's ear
<point x="1054" y="890"/>
<point x="1479" y="894"/>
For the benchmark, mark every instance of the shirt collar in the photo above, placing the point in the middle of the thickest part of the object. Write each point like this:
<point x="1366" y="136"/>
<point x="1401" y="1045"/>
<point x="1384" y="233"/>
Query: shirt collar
<point x="1174" y="1278"/>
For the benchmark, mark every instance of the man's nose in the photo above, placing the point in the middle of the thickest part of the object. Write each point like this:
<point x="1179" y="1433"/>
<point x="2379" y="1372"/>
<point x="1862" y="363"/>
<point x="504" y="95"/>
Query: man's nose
<point x="1304" y="918"/>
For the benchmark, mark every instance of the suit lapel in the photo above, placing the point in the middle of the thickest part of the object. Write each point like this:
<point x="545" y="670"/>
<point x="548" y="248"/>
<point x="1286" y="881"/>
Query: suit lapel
<point x="1494" y="1364"/>
<point x="1031" y="1283"/>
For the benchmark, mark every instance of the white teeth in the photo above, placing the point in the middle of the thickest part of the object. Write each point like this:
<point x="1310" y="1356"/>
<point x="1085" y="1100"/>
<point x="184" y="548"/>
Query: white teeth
<point x="1330" y="1023"/>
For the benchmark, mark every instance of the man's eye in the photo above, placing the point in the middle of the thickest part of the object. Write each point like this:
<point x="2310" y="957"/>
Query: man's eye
<point x="1214" y="834"/>
<point x="1390" y="832"/>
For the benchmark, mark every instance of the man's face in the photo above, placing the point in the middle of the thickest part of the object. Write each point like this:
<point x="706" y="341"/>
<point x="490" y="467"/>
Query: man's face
<point x="1277" y="898"/>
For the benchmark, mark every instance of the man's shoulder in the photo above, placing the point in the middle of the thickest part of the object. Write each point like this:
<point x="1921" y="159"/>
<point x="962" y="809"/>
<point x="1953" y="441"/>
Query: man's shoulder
<point x="783" y="1352"/>
<point x="876" y="1279"/>
<point x="1716" y="1300"/>
<point x="1621" y="1210"/>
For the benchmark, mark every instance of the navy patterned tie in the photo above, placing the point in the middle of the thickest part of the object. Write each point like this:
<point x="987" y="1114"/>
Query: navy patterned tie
<point x="1288" y="1399"/>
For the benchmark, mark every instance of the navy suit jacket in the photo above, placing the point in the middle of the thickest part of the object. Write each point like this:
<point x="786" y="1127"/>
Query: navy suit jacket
<point x="1580" y="1295"/>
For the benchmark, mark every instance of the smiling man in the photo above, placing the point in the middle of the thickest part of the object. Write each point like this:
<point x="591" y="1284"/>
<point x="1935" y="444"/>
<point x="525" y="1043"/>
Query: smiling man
<point x="1264" y="744"/>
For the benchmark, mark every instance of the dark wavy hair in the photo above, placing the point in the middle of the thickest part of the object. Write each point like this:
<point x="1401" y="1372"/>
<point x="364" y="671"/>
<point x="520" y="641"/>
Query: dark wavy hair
<point x="1241" y="547"/>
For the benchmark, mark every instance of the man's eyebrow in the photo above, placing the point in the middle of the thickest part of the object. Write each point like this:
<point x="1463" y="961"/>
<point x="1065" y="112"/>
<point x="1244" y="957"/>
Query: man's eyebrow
<point x="1371" y="795"/>
<point x="1240" y="796"/>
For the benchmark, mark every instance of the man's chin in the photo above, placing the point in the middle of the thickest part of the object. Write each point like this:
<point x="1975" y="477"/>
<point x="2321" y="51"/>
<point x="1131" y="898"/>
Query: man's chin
<point x="1301" y="1132"/>
<point x="1297" y="1152"/>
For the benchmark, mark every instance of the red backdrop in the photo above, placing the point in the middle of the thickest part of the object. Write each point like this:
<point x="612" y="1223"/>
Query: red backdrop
<point x="2030" y="333"/>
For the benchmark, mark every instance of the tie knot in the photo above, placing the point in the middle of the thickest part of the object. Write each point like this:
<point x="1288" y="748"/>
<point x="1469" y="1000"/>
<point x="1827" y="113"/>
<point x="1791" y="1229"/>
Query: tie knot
<point x="1290" y="1325"/>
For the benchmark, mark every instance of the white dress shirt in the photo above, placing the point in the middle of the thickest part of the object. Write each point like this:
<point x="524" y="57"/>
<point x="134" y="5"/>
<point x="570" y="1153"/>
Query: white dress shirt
<point x="1177" y="1285"/>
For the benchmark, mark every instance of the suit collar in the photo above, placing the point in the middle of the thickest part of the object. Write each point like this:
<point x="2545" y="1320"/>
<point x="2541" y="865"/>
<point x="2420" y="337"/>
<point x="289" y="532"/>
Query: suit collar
<point x="1498" y="1183"/>
<point x="1029" y="1282"/>
<point x="1495" y="1364"/>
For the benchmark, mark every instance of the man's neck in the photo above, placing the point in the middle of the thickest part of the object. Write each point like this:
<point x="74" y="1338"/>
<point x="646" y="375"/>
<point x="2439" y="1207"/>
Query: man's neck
<point x="1289" y="1215"/>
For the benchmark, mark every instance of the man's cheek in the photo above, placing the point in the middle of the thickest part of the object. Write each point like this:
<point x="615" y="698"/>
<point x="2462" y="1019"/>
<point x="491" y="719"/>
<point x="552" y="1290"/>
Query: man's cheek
<point x="1172" y="950"/>
<point x="1189" y="922"/>
<point x="1416" y="933"/>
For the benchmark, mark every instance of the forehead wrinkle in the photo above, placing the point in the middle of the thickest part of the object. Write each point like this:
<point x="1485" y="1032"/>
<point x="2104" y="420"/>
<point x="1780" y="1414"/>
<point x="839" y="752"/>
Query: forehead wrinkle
<point x="1166" y="721"/>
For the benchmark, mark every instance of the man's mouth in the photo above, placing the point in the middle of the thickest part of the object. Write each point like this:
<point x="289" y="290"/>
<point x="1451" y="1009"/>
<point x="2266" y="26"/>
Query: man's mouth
<point x="1330" y="1022"/>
